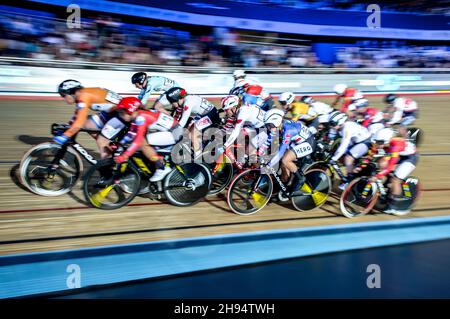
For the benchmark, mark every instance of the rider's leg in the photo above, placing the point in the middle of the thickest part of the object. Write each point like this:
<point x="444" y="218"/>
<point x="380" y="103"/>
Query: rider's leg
<point x="158" y="139"/>
<point x="401" y="173"/>
<point x="288" y="165"/>
<point x="288" y="161"/>
<point x="196" y="137"/>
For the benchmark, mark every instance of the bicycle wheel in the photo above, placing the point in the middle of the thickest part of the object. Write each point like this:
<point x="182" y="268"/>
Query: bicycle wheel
<point x="36" y="173"/>
<point x="187" y="184"/>
<point x="103" y="189"/>
<point x="354" y="202"/>
<point x="314" y="192"/>
<point x="222" y="176"/>
<point x="249" y="192"/>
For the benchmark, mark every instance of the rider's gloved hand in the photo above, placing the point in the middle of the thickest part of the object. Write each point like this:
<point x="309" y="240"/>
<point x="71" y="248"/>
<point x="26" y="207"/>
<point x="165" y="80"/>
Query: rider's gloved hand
<point x="120" y="159"/>
<point x="61" y="139"/>
<point x="220" y="150"/>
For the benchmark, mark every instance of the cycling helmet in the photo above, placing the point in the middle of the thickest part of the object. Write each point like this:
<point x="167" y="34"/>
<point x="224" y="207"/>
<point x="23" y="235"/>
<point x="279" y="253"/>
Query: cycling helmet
<point x="69" y="87"/>
<point x="239" y="74"/>
<point x="384" y="135"/>
<point x="175" y="94"/>
<point x="274" y="117"/>
<point x="361" y="103"/>
<point x="337" y="118"/>
<point x="129" y="104"/>
<point x="286" y="98"/>
<point x="306" y="99"/>
<point x="254" y="89"/>
<point x="229" y="102"/>
<point x="249" y="99"/>
<point x="339" y="88"/>
<point x="139" y="78"/>
<point x="390" y="98"/>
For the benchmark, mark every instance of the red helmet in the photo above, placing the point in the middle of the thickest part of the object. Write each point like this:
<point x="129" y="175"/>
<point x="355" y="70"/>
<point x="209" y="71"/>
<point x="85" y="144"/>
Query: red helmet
<point x="129" y="104"/>
<point x="254" y="90"/>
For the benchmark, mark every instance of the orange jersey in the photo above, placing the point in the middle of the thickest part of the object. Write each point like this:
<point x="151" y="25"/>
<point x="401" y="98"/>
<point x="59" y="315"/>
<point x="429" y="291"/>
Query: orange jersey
<point x="96" y="99"/>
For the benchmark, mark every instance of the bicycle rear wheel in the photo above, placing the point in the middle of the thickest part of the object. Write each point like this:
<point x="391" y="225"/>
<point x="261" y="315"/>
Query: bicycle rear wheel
<point x="249" y="192"/>
<point x="412" y="189"/>
<point x="188" y="184"/>
<point x="358" y="198"/>
<point x="314" y="192"/>
<point x="105" y="189"/>
<point x="222" y="176"/>
<point x="36" y="173"/>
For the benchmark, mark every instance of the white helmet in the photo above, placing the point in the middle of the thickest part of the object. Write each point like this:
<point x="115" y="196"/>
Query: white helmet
<point x="274" y="116"/>
<point x="287" y="97"/>
<point x="230" y="101"/>
<point x="239" y="74"/>
<point x="337" y="118"/>
<point x="339" y="88"/>
<point x="384" y="135"/>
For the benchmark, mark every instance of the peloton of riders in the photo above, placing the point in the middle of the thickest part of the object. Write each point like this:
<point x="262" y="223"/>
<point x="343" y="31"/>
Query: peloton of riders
<point x="249" y="109"/>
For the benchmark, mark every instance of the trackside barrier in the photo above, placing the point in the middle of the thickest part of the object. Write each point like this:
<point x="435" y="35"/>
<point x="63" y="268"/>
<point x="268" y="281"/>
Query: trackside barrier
<point x="40" y="273"/>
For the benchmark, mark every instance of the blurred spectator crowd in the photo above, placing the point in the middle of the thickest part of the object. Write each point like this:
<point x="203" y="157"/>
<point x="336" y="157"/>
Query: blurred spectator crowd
<point x="416" y="6"/>
<point x="103" y="39"/>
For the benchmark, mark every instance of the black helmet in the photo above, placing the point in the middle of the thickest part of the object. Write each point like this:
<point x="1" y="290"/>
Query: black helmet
<point x="175" y="94"/>
<point x="139" y="77"/>
<point x="69" y="87"/>
<point x="390" y="98"/>
<point x="306" y="99"/>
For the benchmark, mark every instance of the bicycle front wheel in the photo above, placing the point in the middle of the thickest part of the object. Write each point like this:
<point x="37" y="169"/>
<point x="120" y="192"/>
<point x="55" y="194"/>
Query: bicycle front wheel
<point x="105" y="189"/>
<point x="249" y="192"/>
<point x="38" y="176"/>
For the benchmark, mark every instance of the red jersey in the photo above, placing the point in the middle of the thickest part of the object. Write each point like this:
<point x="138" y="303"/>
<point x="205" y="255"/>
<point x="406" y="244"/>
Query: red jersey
<point x="146" y="120"/>
<point x="397" y="147"/>
<point x="350" y="95"/>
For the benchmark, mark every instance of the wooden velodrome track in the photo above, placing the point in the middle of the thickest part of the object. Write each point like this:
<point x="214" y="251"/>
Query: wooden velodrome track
<point x="30" y="223"/>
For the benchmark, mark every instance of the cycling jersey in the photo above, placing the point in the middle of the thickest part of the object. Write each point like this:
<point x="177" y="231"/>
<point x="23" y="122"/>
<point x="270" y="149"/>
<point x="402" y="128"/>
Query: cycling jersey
<point x="96" y="99"/>
<point x="350" y="95"/>
<point x="156" y="85"/>
<point x="371" y="116"/>
<point x="248" y="115"/>
<point x="398" y="148"/>
<point x="404" y="107"/>
<point x="194" y="105"/>
<point x="145" y="121"/>
<point x="302" y="111"/>
<point x="294" y="135"/>
<point x="352" y="134"/>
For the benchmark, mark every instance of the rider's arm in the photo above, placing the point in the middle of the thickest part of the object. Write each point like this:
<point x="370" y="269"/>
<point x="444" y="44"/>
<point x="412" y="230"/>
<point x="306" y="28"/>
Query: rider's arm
<point x="396" y="117"/>
<point x="391" y="165"/>
<point x="187" y="110"/>
<point x="140" y="127"/>
<point x="81" y="116"/>
<point x="279" y="155"/>
<point x="345" y="142"/>
<point x="236" y="131"/>
<point x="145" y="94"/>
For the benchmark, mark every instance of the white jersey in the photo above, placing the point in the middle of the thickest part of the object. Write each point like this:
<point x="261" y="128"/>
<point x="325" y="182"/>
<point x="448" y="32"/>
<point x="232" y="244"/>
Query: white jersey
<point x="194" y="105"/>
<point x="156" y="85"/>
<point x="248" y="115"/>
<point x="403" y="106"/>
<point x="321" y="108"/>
<point x="352" y="133"/>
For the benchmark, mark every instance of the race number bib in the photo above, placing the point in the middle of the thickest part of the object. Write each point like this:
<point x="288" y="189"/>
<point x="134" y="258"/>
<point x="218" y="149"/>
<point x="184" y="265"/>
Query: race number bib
<point x="203" y="123"/>
<point x="302" y="149"/>
<point x="113" y="97"/>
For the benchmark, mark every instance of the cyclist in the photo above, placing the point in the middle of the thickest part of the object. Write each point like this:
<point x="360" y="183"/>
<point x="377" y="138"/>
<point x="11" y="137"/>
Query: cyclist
<point x="230" y="102"/>
<point x="153" y="85"/>
<point x="148" y="128"/>
<point x="242" y="85"/>
<point x="398" y="156"/>
<point x="193" y="112"/>
<point x="96" y="99"/>
<point x="297" y="142"/>
<point x="369" y="117"/>
<point x="404" y="112"/>
<point x="349" y="95"/>
<point x="354" y="144"/>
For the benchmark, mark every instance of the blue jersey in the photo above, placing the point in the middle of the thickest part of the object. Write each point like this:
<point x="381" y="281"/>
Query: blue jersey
<point x="156" y="85"/>
<point x="292" y="132"/>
